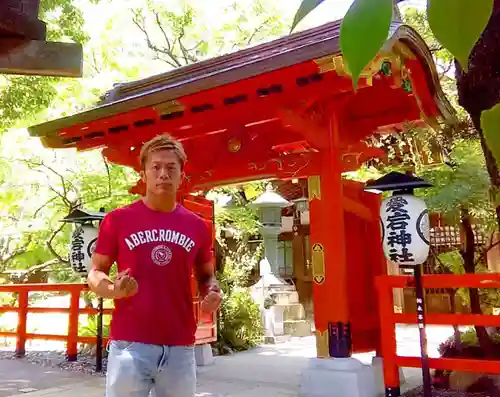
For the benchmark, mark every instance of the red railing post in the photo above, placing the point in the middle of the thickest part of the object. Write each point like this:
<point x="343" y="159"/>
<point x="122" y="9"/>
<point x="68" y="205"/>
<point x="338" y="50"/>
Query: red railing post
<point x="74" y="312"/>
<point x="22" y="321"/>
<point x="388" y="338"/>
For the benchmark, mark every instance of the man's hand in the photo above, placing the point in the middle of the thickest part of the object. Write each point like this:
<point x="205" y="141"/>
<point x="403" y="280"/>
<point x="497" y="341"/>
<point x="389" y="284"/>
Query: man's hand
<point x="212" y="300"/>
<point x="124" y="285"/>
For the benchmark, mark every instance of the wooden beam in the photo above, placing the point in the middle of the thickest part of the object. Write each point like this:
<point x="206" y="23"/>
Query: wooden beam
<point x="354" y="156"/>
<point x="19" y="18"/>
<point x="283" y="167"/>
<point x="32" y="57"/>
<point x="30" y="8"/>
<point x="357" y="209"/>
<point x="311" y="130"/>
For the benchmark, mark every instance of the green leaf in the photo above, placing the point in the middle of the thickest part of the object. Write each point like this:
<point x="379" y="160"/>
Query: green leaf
<point x="305" y="8"/>
<point x="490" y="124"/>
<point x="363" y="33"/>
<point x="458" y="24"/>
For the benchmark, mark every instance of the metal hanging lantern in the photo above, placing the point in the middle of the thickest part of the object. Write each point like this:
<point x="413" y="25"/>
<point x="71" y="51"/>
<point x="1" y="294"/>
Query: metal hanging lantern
<point x="302" y="204"/>
<point x="83" y="239"/>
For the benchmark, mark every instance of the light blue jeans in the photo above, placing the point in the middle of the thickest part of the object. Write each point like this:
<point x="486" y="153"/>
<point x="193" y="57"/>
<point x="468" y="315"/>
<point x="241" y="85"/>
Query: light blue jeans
<point x="136" y="369"/>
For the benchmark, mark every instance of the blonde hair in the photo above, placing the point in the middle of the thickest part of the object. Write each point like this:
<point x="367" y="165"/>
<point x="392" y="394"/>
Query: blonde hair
<point x="163" y="142"/>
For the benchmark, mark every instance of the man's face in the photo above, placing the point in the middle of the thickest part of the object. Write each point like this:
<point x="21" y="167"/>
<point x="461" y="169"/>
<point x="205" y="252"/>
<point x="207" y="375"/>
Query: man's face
<point x="162" y="173"/>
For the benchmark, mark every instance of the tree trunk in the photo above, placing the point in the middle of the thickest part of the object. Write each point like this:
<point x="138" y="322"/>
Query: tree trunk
<point x="468" y="254"/>
<point x="479" y="87"/>
<point x="491" y="165"/>
<point x="453" y="310"/>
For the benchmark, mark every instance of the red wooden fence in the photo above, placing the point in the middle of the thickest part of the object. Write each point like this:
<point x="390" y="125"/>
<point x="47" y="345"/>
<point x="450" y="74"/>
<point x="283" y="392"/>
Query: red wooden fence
<point x="206" y="332"/>
<point x="388" y="320"/>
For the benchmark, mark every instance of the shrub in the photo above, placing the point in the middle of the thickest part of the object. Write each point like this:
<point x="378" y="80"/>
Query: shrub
<point x="469" y="345"/>
<point x="469" y="348"/>
<point x="90" y="329"/>
<point x="239" y="323"/>
<point x="240" y="326"/>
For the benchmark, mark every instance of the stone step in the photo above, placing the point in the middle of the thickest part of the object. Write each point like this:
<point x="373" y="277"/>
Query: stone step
<point x="277" y="339"/>
<point x="293" y="312"/>
<point x="297" y="328"/>
<point x="286" y="297"/>
<point x="281" y="288"/>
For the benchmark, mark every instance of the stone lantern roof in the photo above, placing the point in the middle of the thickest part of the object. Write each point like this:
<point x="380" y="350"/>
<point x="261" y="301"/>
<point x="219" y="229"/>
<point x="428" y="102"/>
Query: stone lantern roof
<point x="270" y="199"/>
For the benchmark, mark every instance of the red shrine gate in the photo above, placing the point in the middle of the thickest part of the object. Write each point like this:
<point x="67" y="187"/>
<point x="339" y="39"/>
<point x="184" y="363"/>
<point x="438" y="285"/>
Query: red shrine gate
<point x="284" y="110"/>
<point x="206" y="332"/>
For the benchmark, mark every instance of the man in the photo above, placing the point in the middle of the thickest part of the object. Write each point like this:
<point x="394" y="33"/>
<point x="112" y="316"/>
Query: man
<point x="156" y="244"/>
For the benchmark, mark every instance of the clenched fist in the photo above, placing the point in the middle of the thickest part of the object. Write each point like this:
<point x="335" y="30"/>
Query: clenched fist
<point x="212" y="300"/>
<point x="125" y="285"/>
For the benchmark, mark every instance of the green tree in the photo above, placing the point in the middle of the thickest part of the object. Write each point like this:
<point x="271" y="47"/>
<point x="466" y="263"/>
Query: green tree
<point x="52" y="185"/>
<point x="23" y="97"/>
<point x="469" y="30"/>
<point x="462" y="189"/>
<point x="467" y="186"/>
<point x="175" y="37"/>
<point x="478" y="85"/>
<point x="55" y="182"/>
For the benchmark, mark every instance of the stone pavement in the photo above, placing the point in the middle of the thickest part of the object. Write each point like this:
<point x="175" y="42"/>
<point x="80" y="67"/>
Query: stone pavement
<point x="21" y="377"/>
<point x="267" y="371"/>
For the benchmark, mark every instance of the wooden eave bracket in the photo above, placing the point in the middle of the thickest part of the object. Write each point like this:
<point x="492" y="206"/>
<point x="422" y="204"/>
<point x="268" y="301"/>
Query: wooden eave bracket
<point x="36" y="57"/>
<point x="14" y="24"/>
<point x="23" y="49"/>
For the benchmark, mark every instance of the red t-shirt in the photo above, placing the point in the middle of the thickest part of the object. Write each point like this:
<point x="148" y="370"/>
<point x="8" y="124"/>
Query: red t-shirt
<point x="160" y="249"/>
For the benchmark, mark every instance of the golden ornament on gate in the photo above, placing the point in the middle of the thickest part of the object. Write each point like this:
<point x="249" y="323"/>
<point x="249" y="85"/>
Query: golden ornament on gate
<point x="234" y="145"/>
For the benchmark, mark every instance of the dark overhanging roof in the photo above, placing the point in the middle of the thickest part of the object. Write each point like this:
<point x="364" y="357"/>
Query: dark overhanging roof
<point x="278" y="54"/>
<point x="80" y="215"/>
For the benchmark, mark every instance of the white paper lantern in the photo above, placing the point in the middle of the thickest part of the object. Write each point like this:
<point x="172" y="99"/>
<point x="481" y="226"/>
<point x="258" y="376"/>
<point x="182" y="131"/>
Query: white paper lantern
<point x="82" y="247"/>
<point x="405" y="229"/>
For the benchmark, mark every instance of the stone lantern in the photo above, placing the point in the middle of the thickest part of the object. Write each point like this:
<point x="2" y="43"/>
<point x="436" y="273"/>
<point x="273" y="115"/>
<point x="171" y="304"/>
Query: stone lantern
<point x="269" y="206"/>
<point x="271" y="292"/>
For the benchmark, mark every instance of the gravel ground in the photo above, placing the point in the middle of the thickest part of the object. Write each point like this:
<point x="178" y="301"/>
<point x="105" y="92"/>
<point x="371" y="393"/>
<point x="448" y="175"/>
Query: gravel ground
<point x="57" y="359"/>
<point x="418" y="392"/>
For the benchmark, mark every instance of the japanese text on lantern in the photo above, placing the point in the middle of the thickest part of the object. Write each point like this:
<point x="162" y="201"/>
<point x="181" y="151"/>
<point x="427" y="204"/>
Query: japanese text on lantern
<point x="77" y="254"/>
<point x="398" y="239"/>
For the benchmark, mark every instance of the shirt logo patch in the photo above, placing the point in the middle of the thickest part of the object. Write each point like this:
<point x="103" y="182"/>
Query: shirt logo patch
<point x="161" y="255"/>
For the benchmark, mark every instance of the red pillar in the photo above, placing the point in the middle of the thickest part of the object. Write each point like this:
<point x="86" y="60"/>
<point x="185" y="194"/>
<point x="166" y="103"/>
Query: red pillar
<point x="22" y="321"/>
<point x="328" y="250"/>
<point x="74" y="311"/>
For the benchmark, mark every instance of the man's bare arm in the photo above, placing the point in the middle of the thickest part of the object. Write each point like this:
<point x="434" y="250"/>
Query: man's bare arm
<point x="98" y="279"/>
